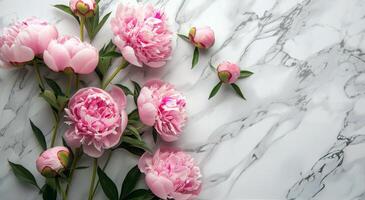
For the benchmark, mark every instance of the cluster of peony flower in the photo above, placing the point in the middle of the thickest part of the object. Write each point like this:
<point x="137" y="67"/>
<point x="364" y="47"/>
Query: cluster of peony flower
<point x="97" y="118"/>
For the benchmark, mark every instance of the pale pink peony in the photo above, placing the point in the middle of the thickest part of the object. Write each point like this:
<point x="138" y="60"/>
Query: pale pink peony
<point x="171" y="174"/>
<point x="228" y="72"/>
<point x="161" y="106"/>
<point x="97" y="119"/>
<point x="23" y="40"/>
<point x="70" y="52"/>
<point x="141" y="33"/>
<point x="84" y="8"/>
<point x="202" y="37"/>
<point x="53" y="161"/>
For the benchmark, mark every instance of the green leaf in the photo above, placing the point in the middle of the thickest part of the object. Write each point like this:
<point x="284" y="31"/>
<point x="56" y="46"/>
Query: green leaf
<point x="39" y="135"/>
<point x="134" y="132"/>
<point x="130" y="182"/>
<point x="101" y="23"/>
<point x="154" y="135"/>
<point x="184" y="37"/>
<point x="140" y="194"/>
<point x="245" y="74"/>
<point x="237" y="90"/>
<point x="112" y="54"/>
<point x="49" y="193"/>
<point x="108" y="186"/>
<point x="23" y="174"/>
<point x="81" y="167"/>
<point x="67" y="10"/>
<point x="55" y="87"/>
<point x="195" y="57"/>
<point x="136" y="143"/>
<point x="137" y="90"/>
<point x="125" y="89"/>
<point x="62" y="101"/>
<point x="132" y="149"/>
<point x="51" y="99"/>
<point x="104" y="62"/>
<point x="215" y="90"/>
<point x="133" y="115"/>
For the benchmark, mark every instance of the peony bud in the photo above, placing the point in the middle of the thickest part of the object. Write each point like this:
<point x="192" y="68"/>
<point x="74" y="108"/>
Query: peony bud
<point x="228" y="72"/>
<point x="53" y="161"/>
<point x="83" y="8"/>
<point x="202" y="37"/>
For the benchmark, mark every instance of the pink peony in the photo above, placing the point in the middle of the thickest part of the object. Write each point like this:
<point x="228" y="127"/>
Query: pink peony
<point x="84" y="8"/>
<point x="25" y="39"/>
<point x="141" y="33"/>
<point x="171" y="174"/>
<point x="228" y="72"/>
<point x="70" y="52"/>
<point x="161" y="106"/>
<point x="202" y="37"/>
<point x="53" y="161"/>
<point x="97" y="119"/>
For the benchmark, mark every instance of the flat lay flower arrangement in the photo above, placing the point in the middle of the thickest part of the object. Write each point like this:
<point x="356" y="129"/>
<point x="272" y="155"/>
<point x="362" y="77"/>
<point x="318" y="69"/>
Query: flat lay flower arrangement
<point x="96" y="117"/>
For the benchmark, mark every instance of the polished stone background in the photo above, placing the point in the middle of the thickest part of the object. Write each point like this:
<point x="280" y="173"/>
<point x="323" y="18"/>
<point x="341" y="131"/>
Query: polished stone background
<point x="299" y="135"/>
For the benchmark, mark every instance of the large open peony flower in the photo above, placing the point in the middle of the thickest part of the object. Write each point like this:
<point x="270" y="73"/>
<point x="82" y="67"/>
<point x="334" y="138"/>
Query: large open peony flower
<point x="141" y="33"/>
<point x="171" y="174"/>
<point x="97" y="119"/>
<point x="161" y="106"/>
<point x="23" y="40"/>
<point x="68" y="51"/>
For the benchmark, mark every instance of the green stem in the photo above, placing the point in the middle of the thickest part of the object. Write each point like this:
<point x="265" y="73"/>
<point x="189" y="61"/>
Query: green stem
<point x="69" y="84"/>
<point x="73" y="167"/>
<point x="55" y="128"/>
<point x="93" y="179"/>
<point x="122" y="65"/>
<point x="104" y="167"/>
<point x="77" y="80"/>
<point x="64" y="197"/>
<point x="38" y="74"/>
<point x="82" y="24"/>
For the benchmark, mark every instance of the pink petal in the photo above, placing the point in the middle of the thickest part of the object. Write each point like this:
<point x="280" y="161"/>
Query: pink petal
<point x="119" y="97"/>
<point x="156" y="64"/>
<point x="22" y="53"/>
<point x="85" y="61"/>
<point x="71" y="139"/>
<point x="144" y="161"/>
<point x="159" y="185"/>
<point x="49" y="61"/>
<point x="124" y="120"/>
<point x="169" y="138"/>
<point x="92" y="151"/>
<point x="147" y="113"/>
<point x="129" y="54"/>
<point x="46" y="36"/>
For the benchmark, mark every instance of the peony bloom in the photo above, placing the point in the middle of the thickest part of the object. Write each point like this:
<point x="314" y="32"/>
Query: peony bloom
<point x="141" y="33"/>
<point x="85" y="8"/>
<point x="171" y="174"/>
<point x="97" y="119"/>
<point x="202" y="37"/>
<point x="161" y="106"/>
<point x="70" y="52"/>
<point x="25" y="39"/>
<point x="53" y="161"/>
<point x="228" y="72"/>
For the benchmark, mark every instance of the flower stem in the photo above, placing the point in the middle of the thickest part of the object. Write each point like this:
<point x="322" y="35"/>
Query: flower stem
<point x="82" y="24"/>
<point x="69" y="84"/>
<point x="64" y="197"/>
<point x="38" y="74"/>
<point x="104" y="167"/>
<point x="77" y="80"/>
<point x="93" y="179"/>
<point x="73" y="167"/>
<point x="122" y="65"/>
<point x="55" y="128"/>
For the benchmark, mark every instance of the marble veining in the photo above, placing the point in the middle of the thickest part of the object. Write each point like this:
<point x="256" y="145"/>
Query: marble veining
<point x="299" y="135"/>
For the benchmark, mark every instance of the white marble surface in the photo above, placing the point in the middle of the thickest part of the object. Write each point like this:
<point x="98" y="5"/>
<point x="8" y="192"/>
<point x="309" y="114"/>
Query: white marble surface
<point x="300" y="134"/>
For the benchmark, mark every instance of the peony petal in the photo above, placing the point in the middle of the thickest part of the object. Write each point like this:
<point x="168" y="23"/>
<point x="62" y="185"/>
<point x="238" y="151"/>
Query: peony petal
<point x="124" y="120"/>
<point x="147" y="113"/>
<point x="129" y="54"/>
<point x="144" y="161"/>
<point x="169" y="138"/>
<point x="156" y="64"/>
<point x="119" y="97"/>
<point x="49" y="61"/>
<point x="85" y="61"/>
<point x="90" y="150"/>
<point x="22" y="53"/>
<point x="71" y="139"/>
<point x="45" y="37"/>
<point x="159" y="185"/>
